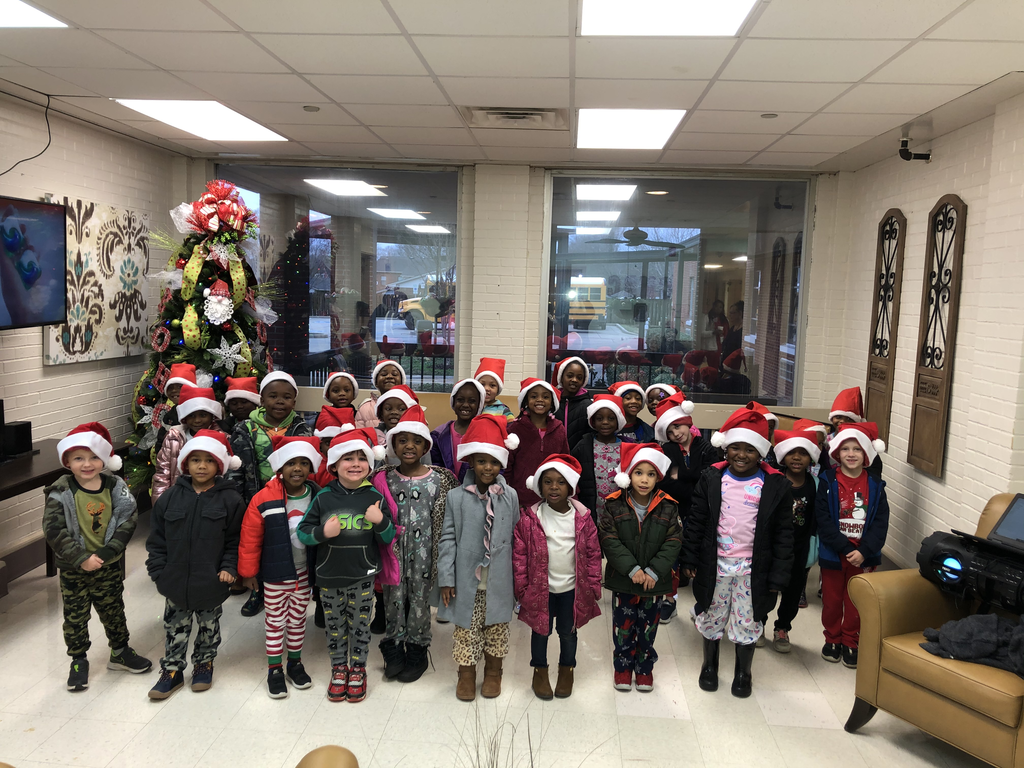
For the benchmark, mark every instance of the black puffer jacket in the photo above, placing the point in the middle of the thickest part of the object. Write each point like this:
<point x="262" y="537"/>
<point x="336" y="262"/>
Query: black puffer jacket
<point x="773" y="538"/>
<point x="688" y="470"/>
<point x="572" y="411"/>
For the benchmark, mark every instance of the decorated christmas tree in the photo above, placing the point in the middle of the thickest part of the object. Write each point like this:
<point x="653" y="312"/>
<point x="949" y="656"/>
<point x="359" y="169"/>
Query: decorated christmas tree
<point x="212" y="314"/>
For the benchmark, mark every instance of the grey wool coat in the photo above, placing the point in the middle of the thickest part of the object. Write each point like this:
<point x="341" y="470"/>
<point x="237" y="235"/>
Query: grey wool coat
<point x="461" y="550"/>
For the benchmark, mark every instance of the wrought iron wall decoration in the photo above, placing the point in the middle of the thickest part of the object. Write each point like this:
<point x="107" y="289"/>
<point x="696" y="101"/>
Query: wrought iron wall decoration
<point x="936" y="344"/>
<point x="885" y="318"/>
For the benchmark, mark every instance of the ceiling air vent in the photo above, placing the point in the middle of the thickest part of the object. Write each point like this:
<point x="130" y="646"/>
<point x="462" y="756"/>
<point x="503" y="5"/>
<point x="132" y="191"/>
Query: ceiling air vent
<point x="504" y="117"/>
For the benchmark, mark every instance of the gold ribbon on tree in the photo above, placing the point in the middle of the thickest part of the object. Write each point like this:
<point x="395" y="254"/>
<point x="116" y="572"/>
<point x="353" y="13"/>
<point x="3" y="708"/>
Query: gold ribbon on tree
<point x="190" y="328"/>
<point x="191" y="272"/>
<point x="238" y="282"/>
<point x="243" y="369"/>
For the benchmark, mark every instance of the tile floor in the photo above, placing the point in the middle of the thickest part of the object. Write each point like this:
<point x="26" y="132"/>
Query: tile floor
<point x="794" y="718"/>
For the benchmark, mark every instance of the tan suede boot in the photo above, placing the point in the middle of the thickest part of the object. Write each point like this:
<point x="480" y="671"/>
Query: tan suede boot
<point x="563" y="686"/>
<point x="466" y="689"/>
<point x="542" y="684"/>
<point x="491" y="688"/>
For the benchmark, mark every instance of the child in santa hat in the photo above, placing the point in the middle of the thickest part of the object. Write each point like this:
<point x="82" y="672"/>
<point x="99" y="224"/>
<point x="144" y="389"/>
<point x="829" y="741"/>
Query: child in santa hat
<point x="640" y="535"/>
<point x="655" y="393"/>
<point x="198" y="409"/>
<point x="88" y="520"/>
<point x="632" y="394"/>
<point x="738" y="546"/>
<point x="329" y="424"/>
<point x="571" y="378"/>
<point x="773" y="422"/>
<point x="240" y="400"/>
<point x="852" y="514"/>
<point x="416" y="494"/>
<point x="269" y="547"/>
<point x="540" y="435"/>
<point x="598" y="452"/>
<point x="848" y="408"/>
<point x="193" y="557"/>
<point x="386" y="374"/>
<point x="390" y="407"/>
<point x="491" y="373"/>
<point x="557" y="562"/>
<point x="351" y="530"/>
<point x="180" y="375"/>
<point x="467" y="402"/>
<point x="341" y="390"/>
<point x="474" y="556"/>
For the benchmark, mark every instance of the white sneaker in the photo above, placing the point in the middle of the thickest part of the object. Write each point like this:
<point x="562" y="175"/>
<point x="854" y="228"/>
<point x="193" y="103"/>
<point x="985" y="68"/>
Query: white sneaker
<point x="693" y="614"/>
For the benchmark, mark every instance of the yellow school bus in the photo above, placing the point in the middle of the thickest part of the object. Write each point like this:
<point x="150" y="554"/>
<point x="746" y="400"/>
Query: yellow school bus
<point x="588" y="303"/>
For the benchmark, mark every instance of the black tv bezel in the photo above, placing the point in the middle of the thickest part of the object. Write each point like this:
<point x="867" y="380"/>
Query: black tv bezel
<point x="1006" y="540"/>
<point x="64" y="230"/>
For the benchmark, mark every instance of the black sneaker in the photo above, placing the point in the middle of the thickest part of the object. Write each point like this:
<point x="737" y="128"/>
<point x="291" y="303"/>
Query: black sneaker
<point x="276" y="687"/>
<point x="297" y="675"/>
<point x="849" y="657"/>
<point x="202" y="676"/>
<point x="170" y="682"/>
<point x="803" y="600"/>
<point x="129" y="661"/>
<point x="415" y="663"/>
<point x="254" y="604"/>
<point x="78" y="677"/>
<point x="668" y="610"/>
<point x="831" y="652"/>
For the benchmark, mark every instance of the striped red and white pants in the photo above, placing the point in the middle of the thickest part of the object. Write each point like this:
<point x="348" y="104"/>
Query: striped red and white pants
<point x="285" y="603"/>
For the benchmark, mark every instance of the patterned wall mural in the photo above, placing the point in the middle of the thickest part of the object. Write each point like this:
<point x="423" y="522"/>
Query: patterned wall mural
<point x="107" y="262"/>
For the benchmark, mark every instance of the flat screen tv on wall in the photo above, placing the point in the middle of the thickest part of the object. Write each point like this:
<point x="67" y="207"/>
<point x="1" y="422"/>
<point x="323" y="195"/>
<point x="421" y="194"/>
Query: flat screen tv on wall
<point x="33" y="255"/>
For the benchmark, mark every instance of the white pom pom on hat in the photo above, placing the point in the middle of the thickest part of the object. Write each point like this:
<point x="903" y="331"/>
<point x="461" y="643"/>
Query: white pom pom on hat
<point x="512" y="442"/>
<point x="622" y="480"/>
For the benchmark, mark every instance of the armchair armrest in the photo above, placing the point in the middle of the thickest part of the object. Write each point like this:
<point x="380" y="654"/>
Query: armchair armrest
<point x="895" y="603"/>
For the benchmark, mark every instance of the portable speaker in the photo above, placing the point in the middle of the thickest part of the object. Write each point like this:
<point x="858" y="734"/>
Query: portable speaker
<point x="17" y="437"/>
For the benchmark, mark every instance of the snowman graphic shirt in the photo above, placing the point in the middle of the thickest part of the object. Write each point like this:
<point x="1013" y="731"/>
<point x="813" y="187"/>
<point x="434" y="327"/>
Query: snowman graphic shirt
<point x="853" y="505"/>
<point x="741" y="497"/>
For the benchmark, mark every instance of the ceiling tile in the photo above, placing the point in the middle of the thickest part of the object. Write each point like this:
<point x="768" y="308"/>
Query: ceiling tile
<point x="638" y="94"/>
<point x="202" y="146"/>
<point x="626" y="156"/>
<point x="715" y="121"/>
<point x="341" y="133"/>
<point x="253" y="87"/>
<point x="748" y="142"/>
<point x="64" y="48"/>
<point x="803" y="143"/>
<point x="382" y="89"/>
<point x="270" y="148"/>
<point x="382" y="114"/>
<point x="338" y="17"/>
<point x="348" y="55"/>
<point x="443" y="136"/>
<point x="105" y="107"/>
<point x="44" y="82"/>
<point x="791" y="159"/>
<point x="862" y="125"/>
<point x="897" y="99"/>
<point x="866" y="19"/>
<point x="644" y="58"/>
<point x="938" y="61"/>
<point x="512" y="137"/>
<point x="132" y="14"/>
<point x="693" y="157"/>
<point x="190" y="51"/>
<point x="508" y="92"/>
<point x="340" y="150"/>
<point x="985" y="20"/>
<point x="434" y="152"/>
<point x="472" y="17"/>
<point x="496" y="56"/>
<point x="129" y="84"/>
<point x="815" y="61"/>
<point x="771" y="97"/>
<point x="292" y="113"/>
<point x="534" y="155"/>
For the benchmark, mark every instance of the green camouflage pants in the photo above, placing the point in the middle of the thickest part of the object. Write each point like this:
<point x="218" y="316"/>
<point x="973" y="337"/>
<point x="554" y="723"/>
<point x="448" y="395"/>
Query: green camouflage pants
<point x="84" y="590"/>
<point x="178" y="627"/>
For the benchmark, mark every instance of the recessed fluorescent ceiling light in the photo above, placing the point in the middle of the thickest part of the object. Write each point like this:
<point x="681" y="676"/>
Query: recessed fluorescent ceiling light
<point x="626" y="128"/>
<point x="564" y="226"/>
<point x="712" y="266"/>
<point x="597" y="215"/>
<point x="658" y="192"/>
<point x="665" y="18"/>
<point x="395" y="213"/>
<point x="604" y="191"/>
<point x="593" y="230"/>
<point x="740" y="258"/>
<point x="428" y="229"/>
<point x="346" y="187"/>
<point x="208" y="120"/>
<point x="14" y="13"/>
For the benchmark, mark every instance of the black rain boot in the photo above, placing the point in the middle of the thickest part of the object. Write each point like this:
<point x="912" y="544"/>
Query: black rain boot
<point x="394" y="658"/>
<point x="708" y="680"/>
<point x="415" y="663"/>
<point x="742" y="680"/>
<point x="380" y="622"/>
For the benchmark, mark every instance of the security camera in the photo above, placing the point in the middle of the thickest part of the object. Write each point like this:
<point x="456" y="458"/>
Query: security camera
<point x="907" y="155"/>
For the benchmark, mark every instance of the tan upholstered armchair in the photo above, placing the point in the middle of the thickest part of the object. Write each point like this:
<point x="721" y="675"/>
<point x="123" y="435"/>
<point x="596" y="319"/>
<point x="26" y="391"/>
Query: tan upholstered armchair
<point x="971" y="706"/>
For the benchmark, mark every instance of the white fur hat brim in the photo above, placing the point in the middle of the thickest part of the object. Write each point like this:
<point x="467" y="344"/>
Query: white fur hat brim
<point x="341" y="375"/>
<point x="327" y="432"/>
<point x="93" y="442"/>
<point x="871" y="448"/>
<point x="395" y="394"/>
<point x="597" y="405"/>
<point x="659" y="460"/>
<point x="194" y="404"/>
<point x="571" y="477"/>
<point x="295" y="450"/>
<point x="667" y="388"/>
<point x="496" y="377"/>
<point x="178" y="380"/>
<point x="468" y="449"/>
<point x="783" y="447"/>
<point x="621" y="391"/>
<point x="670" y="417"/>
<point x="569" y="361"/>
<point x="273" y="376"/>
<point x="241" y="394"/>
<point x="384" y="364"/>
<point x="335" y="452"/>
<point x="411" y="427"/>
<point x="855" y="418"/>
<point x="479" y="388"/>
<point x="741" y="435"/>
<point x="212" y="447"/>
<point x="521" y="399"/>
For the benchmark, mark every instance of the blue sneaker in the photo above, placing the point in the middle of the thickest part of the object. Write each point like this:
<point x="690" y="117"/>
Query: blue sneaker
<point x="170" y="682"/>
<point x="202" y="676"/>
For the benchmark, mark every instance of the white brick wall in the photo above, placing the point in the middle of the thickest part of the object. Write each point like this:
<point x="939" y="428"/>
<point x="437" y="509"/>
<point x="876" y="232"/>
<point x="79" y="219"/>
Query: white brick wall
<point x="91" y="164"/>
<point x="983" y="164"/>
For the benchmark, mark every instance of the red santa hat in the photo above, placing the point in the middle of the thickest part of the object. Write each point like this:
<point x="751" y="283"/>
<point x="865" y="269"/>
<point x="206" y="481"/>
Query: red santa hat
<point x="734" y="361"/>
<point x="613" y="403"/>
<point x="756" y="406"/>
<point x="476" y="385"/>
<point x="215" y="443"/>
<point x="567" y="466"/>
<point x="492" y="366"/>
<point x="364" y="440"/>
<point x="242" y="389"/>
<point x="527" y="384"/>
<point x="341" y="375"/>
<point x="95" y="437"/>
<point x="381" y="366"/>
<point x="631" y="454"/>
<point x="810" y="425"/>
<point x="560" y="369"/>
<point x="786" y="441"/>
<point x="413" y="421"/>
<point x="488" y="433"/>
<point x="273" y="376"/>
<point x="672" y="410"/>
<point x="398" y="392"/>
<point x="288" y="448"/>
<point x="333" y="421"/>
<point x="620" y="388"/>
<point x="668" y="389"/>
<point x="866" y="435"/>
<point x="744" y="426"/>
<point x="848" y="403"/>
<point x="181" y="373"/>
<point x="194" y="399"/>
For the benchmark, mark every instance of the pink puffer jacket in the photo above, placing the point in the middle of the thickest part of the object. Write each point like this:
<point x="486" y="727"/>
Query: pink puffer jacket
<point x="530" y="567"/>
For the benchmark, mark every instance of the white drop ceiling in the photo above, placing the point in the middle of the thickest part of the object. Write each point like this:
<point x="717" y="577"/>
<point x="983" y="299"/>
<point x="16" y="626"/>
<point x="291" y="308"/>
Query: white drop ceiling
<point x="845" y="78"/>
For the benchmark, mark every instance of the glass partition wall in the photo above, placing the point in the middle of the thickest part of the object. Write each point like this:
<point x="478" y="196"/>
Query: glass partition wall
<point x="692" y="282"/>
